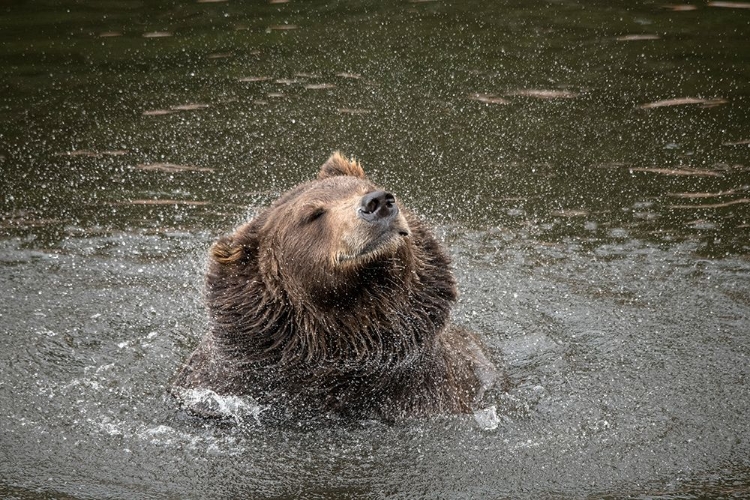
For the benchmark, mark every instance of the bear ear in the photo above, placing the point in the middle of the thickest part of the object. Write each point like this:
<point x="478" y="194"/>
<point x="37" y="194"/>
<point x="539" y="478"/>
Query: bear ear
<point x="236" y="248"/>
<point x="337" y="164"/>
<point x="225" y="252"/>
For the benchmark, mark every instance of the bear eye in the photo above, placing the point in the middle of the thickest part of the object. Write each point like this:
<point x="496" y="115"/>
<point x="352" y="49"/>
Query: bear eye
<point x="315" y="214"/>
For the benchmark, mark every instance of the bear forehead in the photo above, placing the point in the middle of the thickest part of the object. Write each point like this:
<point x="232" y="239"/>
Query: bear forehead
<point x="331" y="190"/>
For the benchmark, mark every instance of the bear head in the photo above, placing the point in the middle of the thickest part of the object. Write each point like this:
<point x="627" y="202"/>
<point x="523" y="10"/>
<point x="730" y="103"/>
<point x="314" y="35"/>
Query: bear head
<point x="334" y="298"/>
<point x="323" y="239"/>
<point x="333" y="273"/>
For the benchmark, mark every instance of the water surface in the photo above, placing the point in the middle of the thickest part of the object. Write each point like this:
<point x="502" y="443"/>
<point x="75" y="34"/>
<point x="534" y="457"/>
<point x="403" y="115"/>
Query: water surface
<point x="586" y="164"/>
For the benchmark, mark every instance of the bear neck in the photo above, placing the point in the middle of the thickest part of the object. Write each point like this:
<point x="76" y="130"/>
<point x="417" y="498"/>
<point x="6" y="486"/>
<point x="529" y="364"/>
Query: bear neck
<point x="390" y="313"/>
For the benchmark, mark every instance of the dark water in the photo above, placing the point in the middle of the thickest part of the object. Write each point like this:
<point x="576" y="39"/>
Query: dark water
<point x="586" y="163"/>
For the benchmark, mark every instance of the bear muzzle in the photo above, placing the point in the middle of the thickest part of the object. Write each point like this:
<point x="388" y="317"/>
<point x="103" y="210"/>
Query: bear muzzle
<point x="380" y="232"/>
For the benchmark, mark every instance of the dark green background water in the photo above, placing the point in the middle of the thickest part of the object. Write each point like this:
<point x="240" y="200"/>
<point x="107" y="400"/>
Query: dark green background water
<point x="586" y="163"/>
<point x="67" y="87"/>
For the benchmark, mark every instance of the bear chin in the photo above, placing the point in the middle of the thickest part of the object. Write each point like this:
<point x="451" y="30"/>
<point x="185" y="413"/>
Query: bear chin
<point x="375" y="340"/>
<point x="383" y="246"/>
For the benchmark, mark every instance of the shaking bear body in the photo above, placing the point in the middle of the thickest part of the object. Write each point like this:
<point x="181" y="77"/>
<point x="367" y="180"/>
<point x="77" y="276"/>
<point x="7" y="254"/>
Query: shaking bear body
<point x="336" y="300"/>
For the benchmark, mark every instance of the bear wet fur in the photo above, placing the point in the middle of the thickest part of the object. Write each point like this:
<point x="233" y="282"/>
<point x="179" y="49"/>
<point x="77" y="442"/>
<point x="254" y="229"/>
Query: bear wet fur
<point x="335" y="300"/>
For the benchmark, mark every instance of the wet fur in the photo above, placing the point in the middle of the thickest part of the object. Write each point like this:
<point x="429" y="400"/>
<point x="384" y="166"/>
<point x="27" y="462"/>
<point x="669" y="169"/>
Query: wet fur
<point x="374" y="340"/>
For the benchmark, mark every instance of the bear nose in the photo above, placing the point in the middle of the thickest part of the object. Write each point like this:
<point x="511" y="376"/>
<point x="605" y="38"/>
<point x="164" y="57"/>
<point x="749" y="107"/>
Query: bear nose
<point x="377" y="205"/>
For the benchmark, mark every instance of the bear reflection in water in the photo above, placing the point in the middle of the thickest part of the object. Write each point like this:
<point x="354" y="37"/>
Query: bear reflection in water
<point x="335" y="301"/>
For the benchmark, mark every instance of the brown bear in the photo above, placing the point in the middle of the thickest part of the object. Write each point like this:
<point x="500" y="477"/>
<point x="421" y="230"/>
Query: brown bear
<point x="335" y="301"/>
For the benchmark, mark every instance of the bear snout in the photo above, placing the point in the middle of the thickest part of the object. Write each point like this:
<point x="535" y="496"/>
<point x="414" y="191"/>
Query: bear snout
<point x="377" y="206"/>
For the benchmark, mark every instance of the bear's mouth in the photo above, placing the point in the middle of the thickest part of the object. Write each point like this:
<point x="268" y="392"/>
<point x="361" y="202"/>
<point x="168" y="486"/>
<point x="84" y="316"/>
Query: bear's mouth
<point x="384" y="244"/>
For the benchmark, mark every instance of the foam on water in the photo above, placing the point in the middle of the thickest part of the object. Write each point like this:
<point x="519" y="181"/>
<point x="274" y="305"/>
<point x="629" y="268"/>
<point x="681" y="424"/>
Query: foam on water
<point x="487" y="418"/>
<point x="232" y="407"/>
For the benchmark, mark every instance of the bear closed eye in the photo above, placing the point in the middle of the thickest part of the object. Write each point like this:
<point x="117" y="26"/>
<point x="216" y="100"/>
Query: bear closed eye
<point x="335" y="300"/>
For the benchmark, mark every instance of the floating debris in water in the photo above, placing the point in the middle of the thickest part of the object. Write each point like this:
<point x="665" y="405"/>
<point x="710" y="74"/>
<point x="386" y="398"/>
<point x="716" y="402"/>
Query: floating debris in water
<point x="569" y="213"/>
<point x="278" y="1"/>
<point x="544" y="94"/>
<point x="680" y="101"/>
<point x="743" y="142"/>
<point x="157" y="34"/>
<point x="353" y="76"/>
<point x="172" y="167"/>
<point x="730" y="5"/>
<point x="158" y="112"/>
<point x="163" y="202"/>
<point x="709" y="195"/>
<point x="354" y="111"/>
<point x="711" y="205"/>
<point x="93" y="154"/>
<point x="253" y="79"/>
<point x="681" y="7"/>
<point x="320" y="86"/>
<point x="25" y="219"/>
<point x="276" y="95"/>
<point x="109" y="34"/>
<point x="175" y="109"/>
<point x="189" y="107"/>
<point x="282" y="27"/>
<point x="220" y="55"/>
<point x="637" y="38"/>
<point x="614" y="164"/>
<point x="677" y="171"/>
<point x="488" y="99"/>
<point x="286" y="81"/>
<point x="701" y="224"/>
<point x="211" y="1"/>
